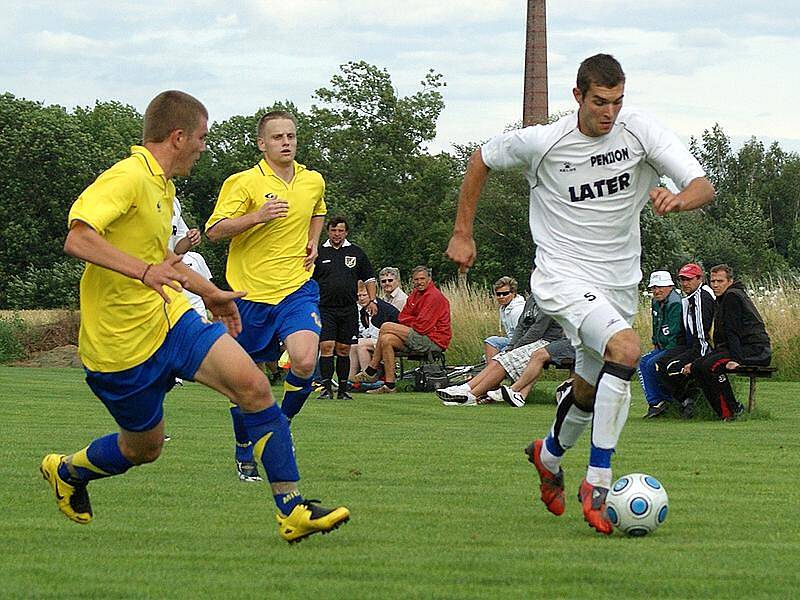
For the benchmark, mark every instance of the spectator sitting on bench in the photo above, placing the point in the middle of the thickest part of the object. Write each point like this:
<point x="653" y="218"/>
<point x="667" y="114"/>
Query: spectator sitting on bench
<point x="533" y="332"/>
<point x="666" y="311"/>
<point x="559" y="352"/>
<point x="389" y="278"/>
<point x="368" y="329"/>
<point x="510" y="309"/>
<point x="697" y="316"/>
<point x="423" y="326"/>
<point x="740" y="338"/>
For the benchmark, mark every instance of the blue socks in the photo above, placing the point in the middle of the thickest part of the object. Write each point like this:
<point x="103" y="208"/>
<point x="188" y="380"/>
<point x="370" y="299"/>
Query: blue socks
<point x="296" y="391"/>
<point x="102" y="458"/>
<point x="244" y="447"/>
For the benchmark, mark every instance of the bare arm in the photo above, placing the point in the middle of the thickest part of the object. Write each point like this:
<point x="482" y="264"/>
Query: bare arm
<point x="273" y="208"/>
<point x="461" y="248"/>
<point x="314" y="231"/>
<point x="698" y="193"/>
<point x="189" y="241"/>
<point x="85" y="243"/>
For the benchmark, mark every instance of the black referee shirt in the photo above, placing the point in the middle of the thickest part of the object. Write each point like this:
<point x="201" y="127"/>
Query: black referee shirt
<point x="338" y="273"/>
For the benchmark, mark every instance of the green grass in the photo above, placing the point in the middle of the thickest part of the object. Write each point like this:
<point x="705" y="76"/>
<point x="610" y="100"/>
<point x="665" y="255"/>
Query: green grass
<point x="442" y="503"/>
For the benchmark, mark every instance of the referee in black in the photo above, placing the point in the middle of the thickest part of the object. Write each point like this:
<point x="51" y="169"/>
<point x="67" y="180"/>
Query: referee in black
<point x="338" y="269"/>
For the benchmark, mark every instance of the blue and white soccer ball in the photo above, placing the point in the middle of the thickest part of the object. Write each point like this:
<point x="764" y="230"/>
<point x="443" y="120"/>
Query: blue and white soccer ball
<point x="637" y="504"/>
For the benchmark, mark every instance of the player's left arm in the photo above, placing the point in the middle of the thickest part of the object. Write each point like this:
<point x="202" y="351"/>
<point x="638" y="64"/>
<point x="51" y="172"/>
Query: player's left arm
<point x="698" y="193"/>
<point x="314" y="231"/>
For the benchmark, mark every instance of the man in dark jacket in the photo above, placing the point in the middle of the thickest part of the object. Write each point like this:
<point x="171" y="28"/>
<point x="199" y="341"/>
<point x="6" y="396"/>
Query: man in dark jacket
<point x="739" y="338"/>
<point x="666" y="307"/>
<point x="697" y="312"/>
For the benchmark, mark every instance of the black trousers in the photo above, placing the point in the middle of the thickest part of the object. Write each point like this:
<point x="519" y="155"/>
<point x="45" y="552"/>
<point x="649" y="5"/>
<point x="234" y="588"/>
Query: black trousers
<point x="669" y="366"/>
<point x="711" y="374"/>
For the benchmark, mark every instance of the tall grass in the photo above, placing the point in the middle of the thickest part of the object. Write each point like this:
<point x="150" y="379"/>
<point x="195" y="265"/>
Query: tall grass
<point x="474" y="315"/>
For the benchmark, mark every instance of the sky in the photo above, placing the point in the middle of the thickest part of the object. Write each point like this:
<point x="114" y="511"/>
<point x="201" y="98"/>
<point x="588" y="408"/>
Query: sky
<point x="692" y="64"/>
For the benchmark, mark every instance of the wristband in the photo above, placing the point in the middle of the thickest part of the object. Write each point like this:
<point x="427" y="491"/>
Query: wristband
<point x="146" y="269"/>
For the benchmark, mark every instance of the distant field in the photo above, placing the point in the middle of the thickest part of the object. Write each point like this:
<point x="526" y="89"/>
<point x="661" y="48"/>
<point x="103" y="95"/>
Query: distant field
<point x="442" y="502"/>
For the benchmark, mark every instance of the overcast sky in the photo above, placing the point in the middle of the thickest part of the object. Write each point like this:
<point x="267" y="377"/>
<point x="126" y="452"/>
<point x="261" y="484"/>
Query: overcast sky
<point x="692" y="63"/>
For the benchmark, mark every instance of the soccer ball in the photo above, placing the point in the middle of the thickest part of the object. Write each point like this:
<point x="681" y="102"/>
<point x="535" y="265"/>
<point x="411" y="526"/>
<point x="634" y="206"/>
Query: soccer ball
<point x="637" y="504"/>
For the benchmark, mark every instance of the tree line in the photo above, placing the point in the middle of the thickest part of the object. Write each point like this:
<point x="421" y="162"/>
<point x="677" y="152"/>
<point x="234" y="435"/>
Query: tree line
<point x="370" y="144"/>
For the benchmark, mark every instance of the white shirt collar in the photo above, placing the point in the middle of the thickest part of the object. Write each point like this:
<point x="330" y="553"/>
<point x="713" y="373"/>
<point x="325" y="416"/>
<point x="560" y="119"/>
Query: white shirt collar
<point x="345" y="243"/>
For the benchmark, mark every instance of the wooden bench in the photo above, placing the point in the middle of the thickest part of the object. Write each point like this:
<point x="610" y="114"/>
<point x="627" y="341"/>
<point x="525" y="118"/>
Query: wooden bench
<point x="753" y="372"/>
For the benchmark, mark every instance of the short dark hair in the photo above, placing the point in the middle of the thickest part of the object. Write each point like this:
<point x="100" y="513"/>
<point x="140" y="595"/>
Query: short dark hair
<point x="334" y="221"/>
<point x="274" y="115"/>
<point x="601" y="69"/>
<point x="419" y="268"/>
<point x="169" y="111"/>
<point x="725" y="269"/>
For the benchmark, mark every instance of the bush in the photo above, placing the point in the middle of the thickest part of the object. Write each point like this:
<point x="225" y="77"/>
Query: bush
<point x="12" y="335"/>
<point x="50" y="287"/>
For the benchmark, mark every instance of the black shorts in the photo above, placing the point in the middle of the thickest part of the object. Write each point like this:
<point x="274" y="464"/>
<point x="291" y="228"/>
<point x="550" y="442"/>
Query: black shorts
<point x="339" y="324"/>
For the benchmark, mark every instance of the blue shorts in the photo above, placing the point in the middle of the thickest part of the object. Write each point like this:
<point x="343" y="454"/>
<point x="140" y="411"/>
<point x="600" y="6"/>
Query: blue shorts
<point x="497" y="341"/>
<point x="135" y="396"/>
<point x="264" y="326"/>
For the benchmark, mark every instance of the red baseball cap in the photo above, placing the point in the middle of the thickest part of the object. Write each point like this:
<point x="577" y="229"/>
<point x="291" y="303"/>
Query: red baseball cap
<point x="690" y="270"/>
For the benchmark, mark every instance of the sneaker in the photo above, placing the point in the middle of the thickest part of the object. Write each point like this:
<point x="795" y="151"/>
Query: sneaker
<point x="563" y="390"/>
<point x="656" y="410"/>
<point x="468" y="399"/>
<point x="593" y="502"/>
<point x="325" y="394"/>
<point x="248" y="470"/>
<point x="73" y="501"/>
<point x="343" y="395"/>
<point x="551" y="485"/>
<point x="308" y="518"/>
<point x="362" y="377"/>
<point x="382" y="390"/>
<point x="494" y="396"/>
<point x="511" y="397"/>
<point x="453" y="391"/>
<point x="167" y="437"/>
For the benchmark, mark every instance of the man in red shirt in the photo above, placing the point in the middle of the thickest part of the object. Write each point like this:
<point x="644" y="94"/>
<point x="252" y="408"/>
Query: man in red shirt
<point x="424" y="326"/>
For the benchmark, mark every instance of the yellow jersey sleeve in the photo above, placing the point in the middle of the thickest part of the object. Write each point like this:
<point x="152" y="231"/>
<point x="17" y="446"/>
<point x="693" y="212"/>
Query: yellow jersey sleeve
<point x="234" y="200"/>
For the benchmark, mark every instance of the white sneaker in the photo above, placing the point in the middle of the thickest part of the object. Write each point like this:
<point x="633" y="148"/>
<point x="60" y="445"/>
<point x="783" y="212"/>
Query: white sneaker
<point x="495" y="395"/>
<point x="454" y="391"/>
<point x="468" y="399"/>
<point x="511" y="397"/>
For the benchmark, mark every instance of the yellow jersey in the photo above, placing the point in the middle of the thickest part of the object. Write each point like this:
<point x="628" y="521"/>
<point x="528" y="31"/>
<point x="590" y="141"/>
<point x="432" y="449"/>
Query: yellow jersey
<point x="266" y="261"/>
<point x="123" y="321"/>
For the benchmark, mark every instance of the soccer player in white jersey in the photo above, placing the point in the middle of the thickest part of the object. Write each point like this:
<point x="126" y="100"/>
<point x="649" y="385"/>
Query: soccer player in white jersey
<point x="590" y="175"/>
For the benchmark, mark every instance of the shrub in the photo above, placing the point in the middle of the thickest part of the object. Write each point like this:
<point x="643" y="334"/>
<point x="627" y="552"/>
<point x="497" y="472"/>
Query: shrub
<point x="50" y="287"/>
<point x="12" y="335"/>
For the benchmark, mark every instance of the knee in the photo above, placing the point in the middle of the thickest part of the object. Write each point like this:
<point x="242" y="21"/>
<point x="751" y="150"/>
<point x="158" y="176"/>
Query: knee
<point x="253" y="394"/>
<point x="624" y="348"/>
<point x="303" y="366"/>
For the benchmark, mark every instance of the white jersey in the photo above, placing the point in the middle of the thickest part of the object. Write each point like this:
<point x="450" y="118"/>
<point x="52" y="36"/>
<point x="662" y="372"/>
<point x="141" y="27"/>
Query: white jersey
<point x="196" y="263"/>
<point x="587" y="192"/>
<point x="179" y="228"/>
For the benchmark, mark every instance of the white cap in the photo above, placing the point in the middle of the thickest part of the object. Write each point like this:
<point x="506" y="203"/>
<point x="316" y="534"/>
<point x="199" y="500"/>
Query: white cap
<point x="660" y="279"/>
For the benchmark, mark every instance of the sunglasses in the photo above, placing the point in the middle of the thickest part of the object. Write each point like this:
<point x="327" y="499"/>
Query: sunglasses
<point x="387" y="280"/>
<point x="502" y="294"/>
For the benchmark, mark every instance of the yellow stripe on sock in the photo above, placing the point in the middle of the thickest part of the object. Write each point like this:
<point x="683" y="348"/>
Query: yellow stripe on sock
<point x="288" y="387"/>
<point x="81" y="459"/>
<point x="258" y="448"/>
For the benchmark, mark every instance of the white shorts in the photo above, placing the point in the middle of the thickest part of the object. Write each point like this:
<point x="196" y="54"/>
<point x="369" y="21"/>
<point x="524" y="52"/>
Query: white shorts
<point x="589" y="314"/>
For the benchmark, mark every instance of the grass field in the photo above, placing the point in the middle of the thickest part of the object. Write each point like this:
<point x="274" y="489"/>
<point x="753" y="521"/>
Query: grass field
<point x="442" y="503"/>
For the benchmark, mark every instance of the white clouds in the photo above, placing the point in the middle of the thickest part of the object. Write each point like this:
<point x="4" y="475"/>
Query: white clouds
<point x="61" y="42"/>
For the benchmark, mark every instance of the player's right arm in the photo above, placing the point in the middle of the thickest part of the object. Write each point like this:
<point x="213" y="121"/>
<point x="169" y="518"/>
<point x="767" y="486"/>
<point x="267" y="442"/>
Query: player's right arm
<point x="236" y="209"/>
<point x="273" y="208"/>
<point x="461" y="248"/>
<point x="85" y="243"/>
